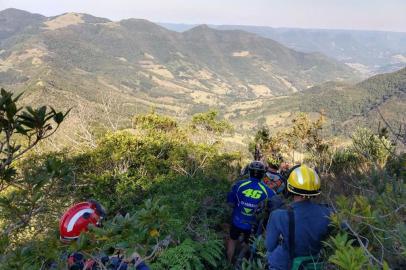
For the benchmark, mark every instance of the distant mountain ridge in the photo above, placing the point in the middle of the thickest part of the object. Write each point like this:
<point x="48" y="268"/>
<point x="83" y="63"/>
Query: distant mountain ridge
<point x="370" y="52"/>
<point x="199" y="68"/>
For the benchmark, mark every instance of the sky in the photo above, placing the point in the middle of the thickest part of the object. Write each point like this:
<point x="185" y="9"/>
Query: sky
<point x="386" y="15"/>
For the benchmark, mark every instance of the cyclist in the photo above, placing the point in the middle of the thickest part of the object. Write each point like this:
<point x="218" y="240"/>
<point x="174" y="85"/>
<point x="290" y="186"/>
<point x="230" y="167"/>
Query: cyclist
<point x="247" y="197"/>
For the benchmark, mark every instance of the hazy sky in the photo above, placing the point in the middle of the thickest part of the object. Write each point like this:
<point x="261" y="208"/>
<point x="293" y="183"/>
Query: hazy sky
<point x="341" y="14"/>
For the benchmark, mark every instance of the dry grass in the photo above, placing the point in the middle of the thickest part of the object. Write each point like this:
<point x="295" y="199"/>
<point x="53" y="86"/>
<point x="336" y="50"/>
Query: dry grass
<point x="63" y="21"/>
<point x="148" y="56"/>
<point x="245" y="105"/>
<point x="157" y="69"/>
<point x="196" y="83"/>
<point x="260" y="90"/>
<point x="173" y="87"/>
<point x="277" y="119"/>
<point x="111" y="24"/>
<point x="221" y="88"/>
<point x="122" y="59"/>
<point x="286" y="83"/>
<point x="17" y="58"/>
<point x="204" y="74"/>
<point x="241" y="54"/>
<point x="359" y="67"/>
<point x="204" y="97"/>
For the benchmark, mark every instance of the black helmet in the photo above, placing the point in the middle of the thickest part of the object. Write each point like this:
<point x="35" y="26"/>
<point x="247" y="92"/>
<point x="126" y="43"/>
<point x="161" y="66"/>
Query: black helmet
<point x="256" y="169"/>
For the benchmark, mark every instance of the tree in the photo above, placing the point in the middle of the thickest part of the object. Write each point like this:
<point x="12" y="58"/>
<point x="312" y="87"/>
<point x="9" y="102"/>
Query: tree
<point x="209" y="128"/>
<point x="21" y="129"/>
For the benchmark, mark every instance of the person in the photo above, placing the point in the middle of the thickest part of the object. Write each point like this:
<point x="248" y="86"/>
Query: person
<point x="247" y="198"/>
<point x="273" y="179"/>
<point x="76" y="220"/>
<point x="302" y="227"/>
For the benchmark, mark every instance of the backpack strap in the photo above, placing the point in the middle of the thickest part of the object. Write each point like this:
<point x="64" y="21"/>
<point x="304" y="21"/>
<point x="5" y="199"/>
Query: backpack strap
<point x="291" y="246"/>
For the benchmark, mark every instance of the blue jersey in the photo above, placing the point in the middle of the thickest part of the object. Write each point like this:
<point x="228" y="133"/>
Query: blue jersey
<point x="248" y="196"/>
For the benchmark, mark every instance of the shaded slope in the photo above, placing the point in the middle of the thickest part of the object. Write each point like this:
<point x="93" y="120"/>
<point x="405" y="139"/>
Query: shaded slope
<point x="346" y="106"/>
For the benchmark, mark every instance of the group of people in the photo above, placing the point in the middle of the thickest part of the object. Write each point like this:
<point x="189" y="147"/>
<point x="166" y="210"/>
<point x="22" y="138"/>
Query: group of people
<point x="294" y="232"/>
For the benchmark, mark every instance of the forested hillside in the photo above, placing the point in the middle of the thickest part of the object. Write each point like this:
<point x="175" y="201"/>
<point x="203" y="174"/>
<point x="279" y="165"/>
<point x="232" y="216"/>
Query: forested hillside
<point x="345" y="106"/>
<point x="164" y="185"/>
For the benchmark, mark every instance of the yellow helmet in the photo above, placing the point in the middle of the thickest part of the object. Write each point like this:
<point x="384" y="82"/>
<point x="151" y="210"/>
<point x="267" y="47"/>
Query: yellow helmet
<point x="304" y="181"/>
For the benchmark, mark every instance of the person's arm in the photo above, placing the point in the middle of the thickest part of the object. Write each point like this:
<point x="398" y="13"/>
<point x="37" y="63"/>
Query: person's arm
<point x="272" y="232"/>
<point x="138" y="262"/>
<point x="232" y="195"/>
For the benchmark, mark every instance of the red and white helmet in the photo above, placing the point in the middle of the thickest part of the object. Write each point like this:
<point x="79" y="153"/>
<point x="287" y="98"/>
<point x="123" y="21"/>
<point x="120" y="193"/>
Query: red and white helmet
<point x="77" y="218"/>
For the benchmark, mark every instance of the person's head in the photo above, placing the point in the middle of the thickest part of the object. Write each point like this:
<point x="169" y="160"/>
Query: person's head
<point x="256" y="170"/>
<point x="284" y="166"/>
<point x="77" y="219"/>
<point x="274" y="162"/>
<point x="303" y="182"/>
<point x="273" y="167"/>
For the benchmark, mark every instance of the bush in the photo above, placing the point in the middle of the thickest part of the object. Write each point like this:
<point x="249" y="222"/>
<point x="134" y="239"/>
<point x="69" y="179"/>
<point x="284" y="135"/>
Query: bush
<point x="162" y="187"/>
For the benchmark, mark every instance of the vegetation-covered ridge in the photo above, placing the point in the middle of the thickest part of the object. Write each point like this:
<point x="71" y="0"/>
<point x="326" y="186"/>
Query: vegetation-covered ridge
<point x="166" y="184"/>
<point x="381" y="97"/>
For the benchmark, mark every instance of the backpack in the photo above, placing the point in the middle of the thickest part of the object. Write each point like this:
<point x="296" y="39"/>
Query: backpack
<point x="303" y="262"/>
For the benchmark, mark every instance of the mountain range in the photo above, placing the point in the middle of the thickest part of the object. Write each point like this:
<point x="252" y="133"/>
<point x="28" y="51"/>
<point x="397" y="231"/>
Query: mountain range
<point x="369" y="52"/>
<point x="105" y="69"/>
<point x="132" y="56"/>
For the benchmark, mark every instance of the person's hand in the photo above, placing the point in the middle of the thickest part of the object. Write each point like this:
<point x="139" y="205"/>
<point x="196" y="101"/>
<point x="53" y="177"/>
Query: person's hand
<point x="135" y="259"/>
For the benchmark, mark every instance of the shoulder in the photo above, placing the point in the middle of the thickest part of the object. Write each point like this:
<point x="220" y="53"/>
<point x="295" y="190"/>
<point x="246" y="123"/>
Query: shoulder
<point x="325" y="209"/>
<point x="242" y="182"/>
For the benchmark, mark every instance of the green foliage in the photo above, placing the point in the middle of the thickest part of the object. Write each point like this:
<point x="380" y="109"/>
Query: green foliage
<point x="303" y="142"/>
<point x="208" y="121"/>
<point x="154" y="217"/>
<point x="154" y="122"/>
<point x="365" y="184"/>
<point x="256" y="264"/>
<point x="169" y="189"/>
<point x="166" y="195"/>
<point x="346" y="256"/>
<point x="368" y="151"/>
<point x="369" y="173"/>
<point x="371" y="147"/>
<point x="191" y="255"/>
<point x="33" y="125"/>
<point x="259" y="259"/>
<point x="24" y="190"/>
